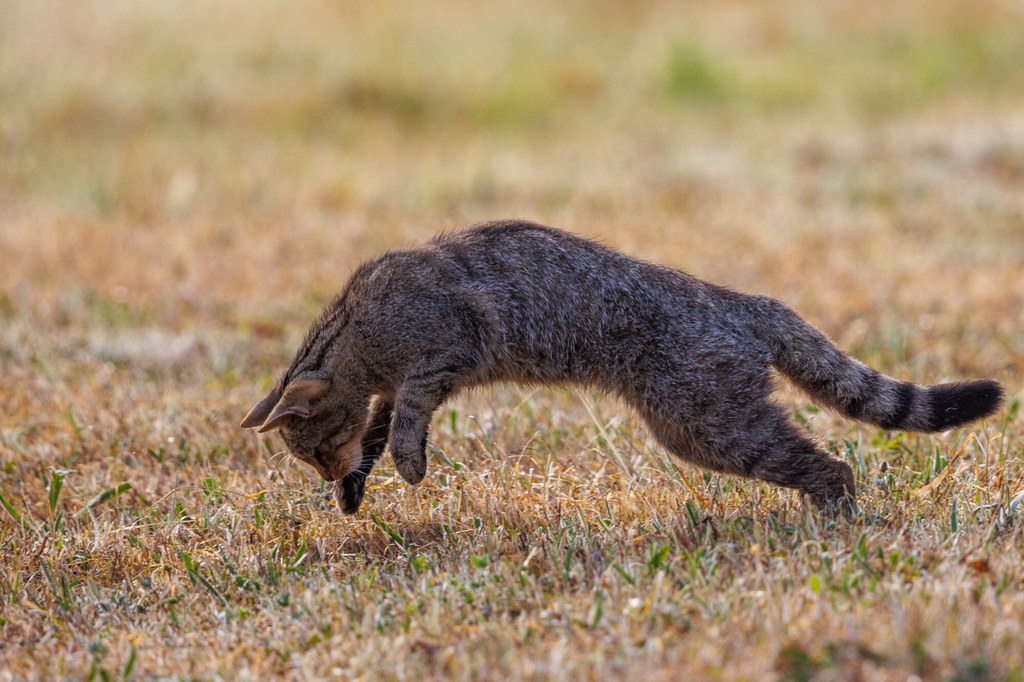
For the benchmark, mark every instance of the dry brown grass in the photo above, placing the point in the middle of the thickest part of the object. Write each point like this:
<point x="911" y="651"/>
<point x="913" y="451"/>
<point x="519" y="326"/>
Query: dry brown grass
<point x="183" y="185"/>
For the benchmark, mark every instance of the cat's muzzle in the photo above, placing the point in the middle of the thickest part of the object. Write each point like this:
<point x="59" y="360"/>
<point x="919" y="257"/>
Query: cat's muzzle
<point x="338" y="464"/>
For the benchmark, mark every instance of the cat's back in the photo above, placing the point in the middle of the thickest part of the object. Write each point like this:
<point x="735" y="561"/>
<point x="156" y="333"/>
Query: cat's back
<point x="511" y="239"/>
<point x="572" y="300"/>
<point x="543" y="262"/>
<point x="529" y="252"/>
<point x="531" y="270"/>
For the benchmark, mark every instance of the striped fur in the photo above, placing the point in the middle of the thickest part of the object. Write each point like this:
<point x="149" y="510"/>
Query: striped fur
<point x="834" y="379"/>
<point x="515" y="301"/>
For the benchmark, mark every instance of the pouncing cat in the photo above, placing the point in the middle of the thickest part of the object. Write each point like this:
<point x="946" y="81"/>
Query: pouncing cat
<point x="513" y="301"/>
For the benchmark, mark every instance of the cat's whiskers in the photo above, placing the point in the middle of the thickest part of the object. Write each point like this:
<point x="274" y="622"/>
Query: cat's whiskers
<point x="279" y="453"/>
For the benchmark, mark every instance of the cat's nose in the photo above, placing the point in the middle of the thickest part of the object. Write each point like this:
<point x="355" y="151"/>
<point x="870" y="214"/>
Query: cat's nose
<point x="337" y="472"/>
<point x="326" y="474"/>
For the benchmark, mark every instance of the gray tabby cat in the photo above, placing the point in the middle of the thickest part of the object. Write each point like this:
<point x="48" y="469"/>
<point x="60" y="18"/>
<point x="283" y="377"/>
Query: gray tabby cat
<point x="515" y="301"/>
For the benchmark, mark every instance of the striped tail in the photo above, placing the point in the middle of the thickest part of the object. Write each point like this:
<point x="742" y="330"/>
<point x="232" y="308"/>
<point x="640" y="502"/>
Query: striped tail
<point x="834" y="379"/>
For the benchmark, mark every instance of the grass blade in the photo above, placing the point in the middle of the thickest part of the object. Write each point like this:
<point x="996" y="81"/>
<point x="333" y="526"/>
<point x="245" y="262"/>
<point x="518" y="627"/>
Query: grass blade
<point x="192" y="568"/>
<point x="1015" y="503"/>
<point x="129" y="667"/>
<point x="437" y="452"/>
<point x="380" y="523"/>
<point x="15" y="514"/>
<point x="106" y="496"/>
<point x="53" y="492"/>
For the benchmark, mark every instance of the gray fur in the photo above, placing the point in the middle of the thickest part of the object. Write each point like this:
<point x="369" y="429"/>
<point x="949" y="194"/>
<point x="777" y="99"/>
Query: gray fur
<point x="515" y="301"/>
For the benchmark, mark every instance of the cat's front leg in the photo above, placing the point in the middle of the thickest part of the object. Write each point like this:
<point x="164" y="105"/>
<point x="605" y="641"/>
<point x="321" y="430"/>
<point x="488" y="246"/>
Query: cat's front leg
<point x="349" y="490"/>
<point x="415" y="403"/>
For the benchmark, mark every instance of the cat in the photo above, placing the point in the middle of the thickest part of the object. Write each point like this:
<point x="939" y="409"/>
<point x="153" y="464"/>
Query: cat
<point x="513" y="301"/>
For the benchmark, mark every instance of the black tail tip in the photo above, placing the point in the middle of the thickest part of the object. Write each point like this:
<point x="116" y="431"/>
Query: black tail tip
<point x="963" y="402"/>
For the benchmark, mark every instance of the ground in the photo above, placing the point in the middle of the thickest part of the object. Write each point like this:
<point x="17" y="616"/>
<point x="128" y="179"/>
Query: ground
<point x="184" y="185"/>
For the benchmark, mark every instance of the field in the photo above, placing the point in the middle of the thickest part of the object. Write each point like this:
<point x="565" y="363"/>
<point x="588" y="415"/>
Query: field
<point x="184" y="185"/>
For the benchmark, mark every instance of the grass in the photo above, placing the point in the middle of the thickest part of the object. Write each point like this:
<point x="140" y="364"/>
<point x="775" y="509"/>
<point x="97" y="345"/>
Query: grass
<point x="183" y="187"/>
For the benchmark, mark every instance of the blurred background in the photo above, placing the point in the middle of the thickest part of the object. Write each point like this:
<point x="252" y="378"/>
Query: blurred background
<point x="184" y="185"/>
<point x="245" y="156"/>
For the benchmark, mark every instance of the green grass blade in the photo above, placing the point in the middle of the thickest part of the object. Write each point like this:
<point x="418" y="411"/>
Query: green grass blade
<point x="192" y="568"/>
<point x="129" y="666"/>
<point x="15" y="514"/>
<point x="392" y="533"/>
<point x="106" y="496"/>
<point x="53" y="492"/>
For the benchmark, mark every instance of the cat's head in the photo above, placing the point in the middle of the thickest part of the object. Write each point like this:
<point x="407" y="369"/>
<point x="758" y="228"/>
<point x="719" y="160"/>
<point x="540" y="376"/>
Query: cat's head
<point x="321" y="421"/>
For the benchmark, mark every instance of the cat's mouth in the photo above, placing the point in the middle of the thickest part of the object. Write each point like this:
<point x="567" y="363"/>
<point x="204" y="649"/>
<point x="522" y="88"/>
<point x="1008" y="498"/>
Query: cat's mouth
<point x="334" y="465"/>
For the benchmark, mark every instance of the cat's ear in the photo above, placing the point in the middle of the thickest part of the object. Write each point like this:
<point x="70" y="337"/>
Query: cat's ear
<point x="261" y="410"/>
<point x="295" y="402"/>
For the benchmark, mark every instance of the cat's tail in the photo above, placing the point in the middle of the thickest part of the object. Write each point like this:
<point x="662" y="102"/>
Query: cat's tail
<point x="834" y="379"/>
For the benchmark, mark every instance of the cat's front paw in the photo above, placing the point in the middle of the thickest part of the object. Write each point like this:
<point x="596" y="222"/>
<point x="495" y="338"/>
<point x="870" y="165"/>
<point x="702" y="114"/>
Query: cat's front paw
<point x="412" y="466"/>
<point x="348" y="492"/>
<point x="408" y="450"/>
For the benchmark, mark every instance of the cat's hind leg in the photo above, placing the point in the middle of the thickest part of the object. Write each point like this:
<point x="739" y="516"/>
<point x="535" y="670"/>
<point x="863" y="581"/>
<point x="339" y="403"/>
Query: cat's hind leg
<point x="793" y="460"/>
<point x="766" y="445"/>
